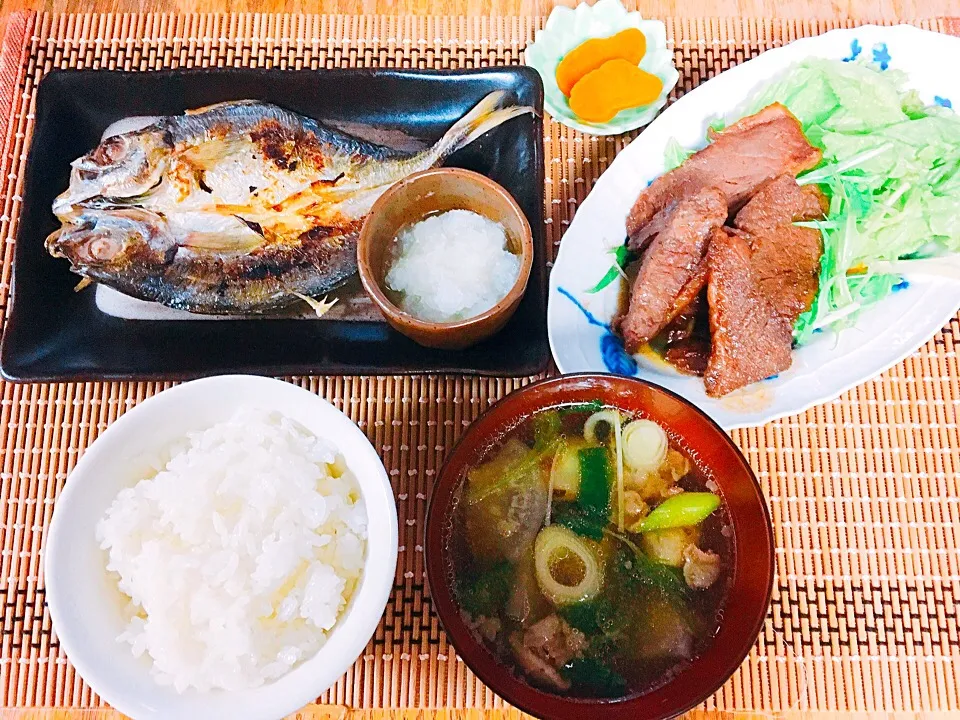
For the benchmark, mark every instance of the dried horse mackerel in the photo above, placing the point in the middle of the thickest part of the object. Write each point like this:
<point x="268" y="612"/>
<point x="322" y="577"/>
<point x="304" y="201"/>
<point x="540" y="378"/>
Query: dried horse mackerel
<point x="235" y="208"/>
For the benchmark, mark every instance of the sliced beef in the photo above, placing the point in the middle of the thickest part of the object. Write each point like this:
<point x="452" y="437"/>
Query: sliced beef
<point x="687" y="337"/>
<point x="544" y="648"/>
<point x="686" y="303"/>
<point x="750" y="339"/>
<point x="682" y="326"/>
<point x="690" y="355"/>
<point x="786" y="258"/>
<point x="671" y="262"/>
<point x="740" y="159"/>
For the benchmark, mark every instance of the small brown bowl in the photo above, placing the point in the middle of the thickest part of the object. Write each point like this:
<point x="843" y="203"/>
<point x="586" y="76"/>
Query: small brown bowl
<point x="748" y="596"/>
<point x="428" y="193"/>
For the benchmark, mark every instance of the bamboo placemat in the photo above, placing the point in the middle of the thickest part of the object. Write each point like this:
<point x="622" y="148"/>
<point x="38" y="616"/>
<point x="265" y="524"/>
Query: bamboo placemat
<point x="863" y="490"/>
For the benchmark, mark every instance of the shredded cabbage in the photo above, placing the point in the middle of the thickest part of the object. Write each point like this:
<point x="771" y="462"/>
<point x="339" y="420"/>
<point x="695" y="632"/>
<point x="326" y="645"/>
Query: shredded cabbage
<point x="891" y="169"/>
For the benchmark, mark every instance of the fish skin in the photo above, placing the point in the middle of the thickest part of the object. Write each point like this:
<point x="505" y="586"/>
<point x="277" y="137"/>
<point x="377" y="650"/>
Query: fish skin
<point x="235" y="208"/>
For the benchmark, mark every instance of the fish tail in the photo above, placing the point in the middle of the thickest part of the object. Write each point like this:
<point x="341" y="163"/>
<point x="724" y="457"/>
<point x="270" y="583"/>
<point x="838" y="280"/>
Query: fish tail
<point x="485" y="116"/>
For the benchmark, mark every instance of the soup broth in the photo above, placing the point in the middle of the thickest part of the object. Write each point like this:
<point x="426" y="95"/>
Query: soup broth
<point x="590" y="553"/>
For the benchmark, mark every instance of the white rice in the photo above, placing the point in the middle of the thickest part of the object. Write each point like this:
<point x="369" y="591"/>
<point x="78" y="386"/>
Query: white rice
<point x="239" y="556"/>
<point x="452" y="266"/>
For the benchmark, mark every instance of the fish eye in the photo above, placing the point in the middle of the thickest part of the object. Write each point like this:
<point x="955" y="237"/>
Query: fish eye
<point x="110" y="151"/>
<point x="103" y="247"/>
<point x="106" y="158"/>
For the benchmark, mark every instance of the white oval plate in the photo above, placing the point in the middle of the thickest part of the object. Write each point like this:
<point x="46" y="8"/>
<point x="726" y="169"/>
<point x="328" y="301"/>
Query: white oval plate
<point x="884" y="334"/>
<point x="85" y="604"/>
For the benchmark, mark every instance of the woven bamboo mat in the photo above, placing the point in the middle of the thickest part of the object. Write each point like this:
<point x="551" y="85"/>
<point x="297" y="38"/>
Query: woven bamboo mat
<point x="863" y="490"/>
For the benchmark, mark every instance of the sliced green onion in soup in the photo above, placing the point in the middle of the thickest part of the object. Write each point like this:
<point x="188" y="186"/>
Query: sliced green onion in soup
<point x="567" y="566"/>
<point x="608" y="417"/>
<point x="645" y="445"/>
<point x="683" y="510"/>
<point x="611" y="418"/>
<point x="565" y="471"/>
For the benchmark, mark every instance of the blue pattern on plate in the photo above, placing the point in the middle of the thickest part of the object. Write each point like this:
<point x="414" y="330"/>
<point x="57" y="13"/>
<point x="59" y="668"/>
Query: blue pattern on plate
<point x="615" y="357"/>
<point x="855" y="51"/>
<point x="902" y="285"/>
<point x="586" y="313"/>
<point x="942" y="101"/>
<point x="881" y="56"/>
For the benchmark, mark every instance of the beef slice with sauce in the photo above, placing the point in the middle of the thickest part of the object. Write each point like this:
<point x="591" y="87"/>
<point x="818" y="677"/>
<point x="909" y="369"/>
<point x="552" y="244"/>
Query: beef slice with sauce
<point x="786" y="258"/>
<point x="670" y="264"/>
<point x="739" y="160"/>
<point x="688" y="336"/>
<point x="751" y="340"/>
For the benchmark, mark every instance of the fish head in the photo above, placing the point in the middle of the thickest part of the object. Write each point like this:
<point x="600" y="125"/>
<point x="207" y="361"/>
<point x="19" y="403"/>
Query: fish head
<point x="121" y="166"/>
<point x="102" y="243"/>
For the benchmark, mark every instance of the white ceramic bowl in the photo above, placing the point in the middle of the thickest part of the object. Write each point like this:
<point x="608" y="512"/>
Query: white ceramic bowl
<point x="84" y="602"/>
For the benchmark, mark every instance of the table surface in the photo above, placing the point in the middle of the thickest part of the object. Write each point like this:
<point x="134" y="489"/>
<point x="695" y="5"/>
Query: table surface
<point x="858" y="10"/>
<point x="853" y="9"/>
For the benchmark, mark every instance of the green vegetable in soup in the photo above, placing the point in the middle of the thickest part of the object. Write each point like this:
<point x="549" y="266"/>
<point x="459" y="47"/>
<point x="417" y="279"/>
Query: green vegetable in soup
<point x="594" y="674"/>
<point x="494" y="476"/>
<point x="637" y="570"/>
<point x="488" y="592"/>
<point x="683" y="510"/>
<point x="587" y="407"/>
<point x="594" y="616"/>
<point x="505" y="503"/>
<point x="546" y="429"/>
<point x="572" y="516"/>
<point x="594" y="496"/>
<point x="589" y="515"/>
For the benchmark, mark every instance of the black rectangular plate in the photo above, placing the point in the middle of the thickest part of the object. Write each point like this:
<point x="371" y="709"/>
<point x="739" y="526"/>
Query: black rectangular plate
<point x="53" y="333"/>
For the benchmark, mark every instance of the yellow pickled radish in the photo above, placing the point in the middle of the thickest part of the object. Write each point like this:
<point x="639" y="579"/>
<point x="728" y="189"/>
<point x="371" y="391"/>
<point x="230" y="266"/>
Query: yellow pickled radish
<point x="615" y="86"/>
<point x="629" y="44"/>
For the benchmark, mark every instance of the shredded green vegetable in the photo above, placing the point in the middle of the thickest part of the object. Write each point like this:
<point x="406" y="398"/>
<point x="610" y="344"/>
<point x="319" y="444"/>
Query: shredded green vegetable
<point x="517" y="471"/>
<point x="891" y="169"/>
<point x="621" y="258"/>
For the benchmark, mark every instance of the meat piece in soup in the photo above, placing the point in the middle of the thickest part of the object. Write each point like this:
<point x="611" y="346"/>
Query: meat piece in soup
<point x="590" y="554"/>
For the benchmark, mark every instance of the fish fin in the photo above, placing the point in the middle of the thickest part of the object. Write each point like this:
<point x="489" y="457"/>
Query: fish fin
<point x="222" y="242"/>
<point x="320" y="307"/>
<point x="84" y="282"/>
<point x="217" y="106"/>
<point x="484" y="117"/>
<point x="255" y="226"/>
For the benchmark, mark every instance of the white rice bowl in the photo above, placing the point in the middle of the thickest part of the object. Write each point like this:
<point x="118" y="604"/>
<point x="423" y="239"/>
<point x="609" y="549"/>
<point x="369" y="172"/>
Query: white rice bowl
<point x="239" y="556"/>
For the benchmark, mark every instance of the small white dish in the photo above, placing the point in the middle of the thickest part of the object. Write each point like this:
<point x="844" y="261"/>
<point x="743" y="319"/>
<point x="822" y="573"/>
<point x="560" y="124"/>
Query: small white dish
<point x="579" y="322"/>
<point x="85" y="603"/>
<point x="566" y="28"/>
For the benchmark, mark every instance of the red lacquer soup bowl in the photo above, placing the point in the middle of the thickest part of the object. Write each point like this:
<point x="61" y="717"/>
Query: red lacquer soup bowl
<point x="749" y="591"/>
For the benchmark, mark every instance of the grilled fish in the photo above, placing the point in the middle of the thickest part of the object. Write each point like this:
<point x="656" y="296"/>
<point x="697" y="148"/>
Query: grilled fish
<point x="236" y="208"/>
